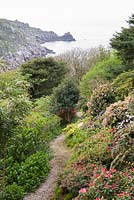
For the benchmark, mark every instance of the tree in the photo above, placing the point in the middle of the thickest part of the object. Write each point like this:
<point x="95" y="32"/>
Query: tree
<point x="43" y="74"/>
<point x="80" y="61"/>
<point x="123" y="42"/>
<point x="64" y="99"/>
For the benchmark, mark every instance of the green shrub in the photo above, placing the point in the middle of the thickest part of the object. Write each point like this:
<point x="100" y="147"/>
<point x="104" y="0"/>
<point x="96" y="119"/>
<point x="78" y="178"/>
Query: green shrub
<point x="124" y="84"/>
<point x="29" y="173"/>
<point x="12" y="111"/>
<point x="43" y="105"/>
<point x="13" y="192"/>
<point x="95" y="149"/>
<point x="64" y="99"/>
<point x="47" y="125"/>
<point x="12" y="83"/>
<point x="33" y="170"/>
<point x="102" y="96"/>
<point x="75" y="134"/>
<point x="102" y="71"/>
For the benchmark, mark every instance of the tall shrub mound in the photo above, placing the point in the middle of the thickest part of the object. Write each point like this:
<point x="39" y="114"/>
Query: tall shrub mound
<point x="117" y="112"/>
<point x="64" y="99"/>
<point x="102" y="96"/>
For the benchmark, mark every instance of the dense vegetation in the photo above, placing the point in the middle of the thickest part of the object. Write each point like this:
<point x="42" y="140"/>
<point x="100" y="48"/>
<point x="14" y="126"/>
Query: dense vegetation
<point x="35" y="99"/>
<point x="102" y="163"/>
<point x="25" y="134"/>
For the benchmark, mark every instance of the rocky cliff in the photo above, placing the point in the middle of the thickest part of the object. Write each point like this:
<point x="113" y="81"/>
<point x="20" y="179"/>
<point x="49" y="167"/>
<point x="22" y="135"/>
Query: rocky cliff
<point x="19" y="42"/>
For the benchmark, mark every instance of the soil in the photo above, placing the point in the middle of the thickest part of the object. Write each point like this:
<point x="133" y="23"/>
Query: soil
<point x="61" y="156"/>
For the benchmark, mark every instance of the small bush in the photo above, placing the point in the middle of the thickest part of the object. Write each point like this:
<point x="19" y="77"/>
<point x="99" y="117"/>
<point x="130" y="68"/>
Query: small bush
<point x="33" y="171"/>
<point x="75" y="134"/>
<point x="28" y="173"/>
<point x="13" y="192"/>
<point x="102" y="96"/>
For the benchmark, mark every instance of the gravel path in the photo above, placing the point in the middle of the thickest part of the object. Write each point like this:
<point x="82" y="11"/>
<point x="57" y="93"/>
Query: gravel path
<point x="61" y="155"/>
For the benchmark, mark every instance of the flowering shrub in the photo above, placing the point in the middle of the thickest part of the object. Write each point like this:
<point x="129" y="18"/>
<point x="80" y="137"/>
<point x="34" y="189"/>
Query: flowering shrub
<point x="102" y="96"/>
<point x="108" y="185"/>
<point x="95" y="149"/>
<point x="76" y="176"/>
<point x="116" y="112"/>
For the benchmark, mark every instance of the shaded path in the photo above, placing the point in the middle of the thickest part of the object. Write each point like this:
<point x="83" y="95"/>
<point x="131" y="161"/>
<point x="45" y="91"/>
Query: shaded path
<point x="61" y="155"/>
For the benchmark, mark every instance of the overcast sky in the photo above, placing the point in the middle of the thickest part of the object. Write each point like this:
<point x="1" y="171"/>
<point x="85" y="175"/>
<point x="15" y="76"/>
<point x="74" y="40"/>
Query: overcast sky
<point x="84" y="18"/>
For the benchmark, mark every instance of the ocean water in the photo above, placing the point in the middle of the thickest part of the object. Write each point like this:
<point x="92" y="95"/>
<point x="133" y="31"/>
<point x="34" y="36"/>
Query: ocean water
<point x="60" y="47"/>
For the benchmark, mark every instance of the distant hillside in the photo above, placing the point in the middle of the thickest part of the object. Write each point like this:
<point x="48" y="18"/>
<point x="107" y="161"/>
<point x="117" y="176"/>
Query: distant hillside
<point x="19" y="42"/>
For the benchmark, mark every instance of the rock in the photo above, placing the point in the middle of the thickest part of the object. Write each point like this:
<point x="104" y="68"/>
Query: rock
<point x="67" y="37"/>
<point x="19" y="42"/>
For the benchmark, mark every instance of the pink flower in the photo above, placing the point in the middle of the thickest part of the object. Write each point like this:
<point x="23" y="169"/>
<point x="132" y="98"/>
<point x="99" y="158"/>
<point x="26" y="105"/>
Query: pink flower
<point x="103" y="170"/>
<point x="83" y="190"/>
<point x="97" y="198"/>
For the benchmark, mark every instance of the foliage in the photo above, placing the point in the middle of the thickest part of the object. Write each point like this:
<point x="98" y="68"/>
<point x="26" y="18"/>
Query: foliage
<point x="28" y="173"/>
<point x="75" y="134"/>
<point x="102" y="96"/>
<point x="33" y="170"/>
<point x="108" y="184"/>
<point x="13" y="84"/>
<point x="43" y="105"/>
<point x="123" y="42"/>
<point x="95" y="149"/>
<point x="102" y="71"/>
<point x="124" y="84"/>
<point x="43" y="74"/>
<point x="13" y="192"/>
<point x="64" y="99"/>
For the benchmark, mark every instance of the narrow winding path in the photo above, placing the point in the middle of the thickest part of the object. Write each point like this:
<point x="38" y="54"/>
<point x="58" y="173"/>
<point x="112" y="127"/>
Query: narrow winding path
<point x="61" y="155"/>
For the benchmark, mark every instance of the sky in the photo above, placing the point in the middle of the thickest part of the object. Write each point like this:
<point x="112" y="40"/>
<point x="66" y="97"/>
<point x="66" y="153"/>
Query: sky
<point x="83" y="18"/>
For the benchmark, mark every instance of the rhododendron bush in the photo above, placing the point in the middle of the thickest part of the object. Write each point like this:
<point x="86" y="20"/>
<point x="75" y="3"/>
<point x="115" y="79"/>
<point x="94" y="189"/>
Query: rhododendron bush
<point x="108" y="185"/>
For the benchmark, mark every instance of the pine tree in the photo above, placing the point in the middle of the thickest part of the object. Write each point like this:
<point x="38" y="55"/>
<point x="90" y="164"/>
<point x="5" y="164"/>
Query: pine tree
<point x="123" y="42"/>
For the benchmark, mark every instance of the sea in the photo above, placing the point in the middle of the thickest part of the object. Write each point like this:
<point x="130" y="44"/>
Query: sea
<point x="60" y="47"/>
